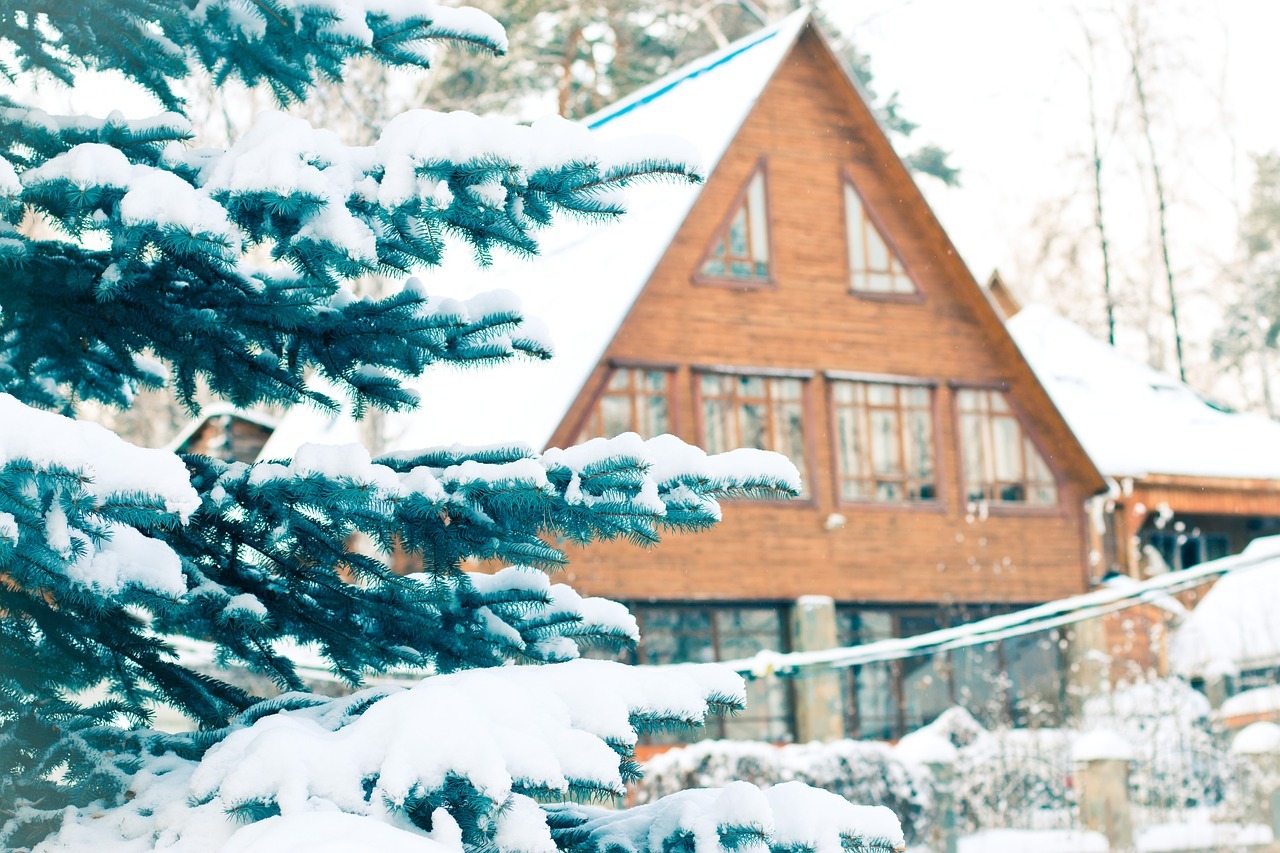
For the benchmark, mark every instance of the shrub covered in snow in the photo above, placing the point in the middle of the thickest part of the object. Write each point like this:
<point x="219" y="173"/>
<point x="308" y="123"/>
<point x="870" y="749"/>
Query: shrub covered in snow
<point x="863" y="772"/>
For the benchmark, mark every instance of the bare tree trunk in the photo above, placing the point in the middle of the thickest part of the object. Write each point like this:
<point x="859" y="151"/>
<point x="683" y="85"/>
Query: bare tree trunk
<point x="1108" y="296"/>
<point x="1264" y="373"/>
<point x="566" y="70"/>
<point x="1135" y="56"/>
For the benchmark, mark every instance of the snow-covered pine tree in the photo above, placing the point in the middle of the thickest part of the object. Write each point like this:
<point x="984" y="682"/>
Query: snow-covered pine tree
<point x="108" y="550"/>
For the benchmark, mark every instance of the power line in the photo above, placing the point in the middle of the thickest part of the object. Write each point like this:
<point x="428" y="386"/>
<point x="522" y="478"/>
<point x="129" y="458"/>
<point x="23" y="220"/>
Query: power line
<point x="1031" y="620"/>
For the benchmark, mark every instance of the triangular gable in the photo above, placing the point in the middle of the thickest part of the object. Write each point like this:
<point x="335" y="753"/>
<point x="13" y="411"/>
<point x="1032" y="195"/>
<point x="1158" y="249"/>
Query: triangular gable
<point x="1069" y="453"/>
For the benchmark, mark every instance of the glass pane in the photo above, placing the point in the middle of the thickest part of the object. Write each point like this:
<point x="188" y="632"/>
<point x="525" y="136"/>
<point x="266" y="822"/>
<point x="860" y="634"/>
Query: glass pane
<point x="766" y="717"/>
<point x="738" y="235"/>
<point x="877" y="712"/>
<point x="656" y="380"/>
<point x="753" y="426"/>
<point x="713" y="267"/>
<point x="917" y="395"/>
<point x="971" y="441"/>
<point x="787" y="389"/>
<point x="878" y="282"/>
<point x="791" y="434"/>
<point x="997" y="402"/>
<point x="759" y="219"/>
<point x="751" y="386"/>
<point x="715" y="438"/>
<point x="764" y="621"/>
<point x="1006" y="450"/>
<point x="884" y="442"/>
<point x="879" y="394"/>
<point x="925" y="692"/>
<point x="920" y="444"/>
<point x="1037" y="469"/>
<point x="656" y="418"/>
<point x="852" y="458"/>
<point x="981" y="685"/>
<point x="1035" y="673"/>
<point x="620" y="380"/>
<point x="968" y="400"/>
<point x="877" y="251"/>
<point x="843" y="392"/>
<point x="616" y="415"/>
<point x="853" y="217"/>
<point x="711" y="384"/>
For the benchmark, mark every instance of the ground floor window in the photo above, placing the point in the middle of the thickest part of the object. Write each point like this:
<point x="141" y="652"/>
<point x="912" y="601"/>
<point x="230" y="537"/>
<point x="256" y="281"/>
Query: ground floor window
<point x="1019" y="681"/>
<point x="702" y="633"/>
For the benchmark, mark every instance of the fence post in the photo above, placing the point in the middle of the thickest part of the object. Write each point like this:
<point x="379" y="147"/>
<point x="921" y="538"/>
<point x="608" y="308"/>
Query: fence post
<point x="1259" y="744"/>
<point x="1102" y="777"/>
<point x="946" y="832"/>
<point x="939" y="755"/>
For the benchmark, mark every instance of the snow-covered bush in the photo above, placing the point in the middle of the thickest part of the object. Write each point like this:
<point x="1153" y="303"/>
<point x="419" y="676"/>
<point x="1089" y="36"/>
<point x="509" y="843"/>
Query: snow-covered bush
<point x="863" y="772"/>
<point x="124" y="255"/>
<point x="1182" y="759"/>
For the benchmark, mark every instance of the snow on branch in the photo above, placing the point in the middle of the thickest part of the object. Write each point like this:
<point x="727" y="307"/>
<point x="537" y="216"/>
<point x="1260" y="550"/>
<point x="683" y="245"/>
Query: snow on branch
<point x="465" y="757"/>
<point x="288" y="45"/>
<point x="171" y="281"/>
<point x="73" y="498"/>
<point x="439" y="508"/>
<point x="786" y="818"/>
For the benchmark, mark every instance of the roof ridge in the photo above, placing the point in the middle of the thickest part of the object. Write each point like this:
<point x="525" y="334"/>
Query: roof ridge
<point x="695" y="68"/>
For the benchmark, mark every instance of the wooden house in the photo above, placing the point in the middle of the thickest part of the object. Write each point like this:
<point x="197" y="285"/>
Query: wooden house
<point x="225" y="432"/>
<point x="803" y="299"/>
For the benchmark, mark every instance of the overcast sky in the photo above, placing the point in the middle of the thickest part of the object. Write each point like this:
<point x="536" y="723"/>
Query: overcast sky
<point x="1001" y="84"/>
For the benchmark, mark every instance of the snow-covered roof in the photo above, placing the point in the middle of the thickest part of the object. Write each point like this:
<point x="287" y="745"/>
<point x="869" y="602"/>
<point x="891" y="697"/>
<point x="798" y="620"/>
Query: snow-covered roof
<point x="1234" y="626"/>
<point x="1136" y="421"/>
<point x="587" y="276"/>
<point x="219" y="410"/>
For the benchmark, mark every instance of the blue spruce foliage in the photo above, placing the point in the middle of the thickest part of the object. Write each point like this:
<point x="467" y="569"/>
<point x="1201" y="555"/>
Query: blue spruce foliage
<point x="109" y="554"/>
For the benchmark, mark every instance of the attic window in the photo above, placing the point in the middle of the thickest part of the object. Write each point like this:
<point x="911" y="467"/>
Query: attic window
<point x="1001" y="463"/>
<point x="741" y="248"/>
<point x="873" y="265"/>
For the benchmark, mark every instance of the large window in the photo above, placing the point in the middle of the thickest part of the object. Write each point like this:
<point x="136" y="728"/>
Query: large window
<point x="1017" y="681"/>
<point x="741" y="250"/>
<point x="634" y="400"/>
<point x="1001" y="464"/>
<point x="703" y="633"/>
<point x="873" y="266"/>
<point x="763" y="412"/>
<point x="884" y="441"/>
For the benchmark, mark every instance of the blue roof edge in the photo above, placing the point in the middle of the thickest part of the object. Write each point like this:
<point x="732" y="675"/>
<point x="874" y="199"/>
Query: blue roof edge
<point x="662" y="87"/>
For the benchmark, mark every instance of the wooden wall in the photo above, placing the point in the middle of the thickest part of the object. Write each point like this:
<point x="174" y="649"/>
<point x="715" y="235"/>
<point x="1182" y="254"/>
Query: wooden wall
<point x="811" y="128"/>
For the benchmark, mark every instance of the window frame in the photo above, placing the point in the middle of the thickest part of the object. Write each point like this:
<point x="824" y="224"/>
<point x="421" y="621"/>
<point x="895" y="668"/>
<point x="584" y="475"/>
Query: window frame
<point x="870" y="216"/>
<point x="806" y="377"/>
<point x="716" y="726"/>
<point x="601" y="390"/>
<point x="944" y="663"/>
<point x="721" y="233"/>
<point x="1057" y="508"/>
<point x="940" y="502"/>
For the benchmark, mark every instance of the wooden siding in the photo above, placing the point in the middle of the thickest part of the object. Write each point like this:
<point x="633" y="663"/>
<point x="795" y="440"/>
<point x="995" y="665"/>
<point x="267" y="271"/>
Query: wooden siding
<point x="812" y="129"/>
